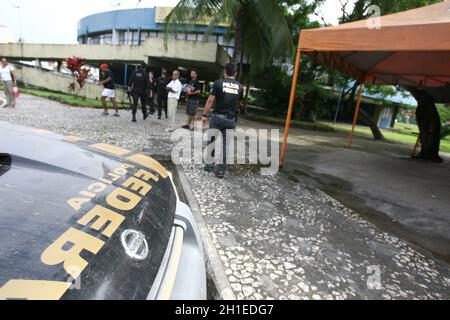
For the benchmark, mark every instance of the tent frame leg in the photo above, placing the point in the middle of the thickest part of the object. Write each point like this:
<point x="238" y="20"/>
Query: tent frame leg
<point x="291" y="103"/>
<point x="355" y="118"/>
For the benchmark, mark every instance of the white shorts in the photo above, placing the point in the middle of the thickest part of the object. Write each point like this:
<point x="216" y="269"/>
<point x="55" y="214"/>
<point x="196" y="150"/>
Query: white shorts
<point x="109" y="93"/>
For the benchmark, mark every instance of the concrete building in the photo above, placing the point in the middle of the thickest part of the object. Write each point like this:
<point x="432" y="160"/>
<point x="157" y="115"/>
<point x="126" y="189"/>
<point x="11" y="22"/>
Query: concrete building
<point x="124" y="39"/>
<point x="208" y="58"/>
<point x="134" y="26"/>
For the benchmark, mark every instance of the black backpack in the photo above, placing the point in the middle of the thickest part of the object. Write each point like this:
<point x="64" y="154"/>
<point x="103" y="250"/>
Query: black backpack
<point x="161" y="85"/>
<point x="140" y="81"/>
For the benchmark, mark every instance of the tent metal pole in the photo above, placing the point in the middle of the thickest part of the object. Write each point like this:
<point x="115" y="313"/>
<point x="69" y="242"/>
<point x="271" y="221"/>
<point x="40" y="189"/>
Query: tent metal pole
<point x="415" y="147"/>
<point x="355" y="119"/>
<point x="291" y="102"/>
<point x="338" y="106"/>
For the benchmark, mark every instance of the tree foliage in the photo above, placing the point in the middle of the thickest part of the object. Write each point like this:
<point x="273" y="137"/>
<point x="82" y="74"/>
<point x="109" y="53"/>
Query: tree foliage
<point x="79" y="71"/>
<point x="259" y="27"/>
<point x="276" y="82"/>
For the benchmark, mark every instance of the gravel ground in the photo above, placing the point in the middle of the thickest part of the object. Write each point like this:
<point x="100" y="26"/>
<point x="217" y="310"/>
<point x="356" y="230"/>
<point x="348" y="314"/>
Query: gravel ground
<point x="278" y="239"/>
<point x="89" y="123"/>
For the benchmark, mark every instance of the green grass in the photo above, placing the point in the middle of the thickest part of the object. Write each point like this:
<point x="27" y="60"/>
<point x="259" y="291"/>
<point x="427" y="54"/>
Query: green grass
<point x="402" y="133"/>
<point x="64" y="98"/>
<point x="70" y="100"/>
<point x="314" y="126"/>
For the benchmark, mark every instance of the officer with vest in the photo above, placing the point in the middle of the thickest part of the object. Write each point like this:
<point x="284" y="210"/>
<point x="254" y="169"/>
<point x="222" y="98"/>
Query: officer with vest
<point x="139" y="87"/>
<point x="226" y="96"/>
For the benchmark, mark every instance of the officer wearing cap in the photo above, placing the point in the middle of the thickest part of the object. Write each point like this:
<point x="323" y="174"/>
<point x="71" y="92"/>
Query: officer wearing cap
<point x="226" y="94"/>
<point x="139" y="87"/>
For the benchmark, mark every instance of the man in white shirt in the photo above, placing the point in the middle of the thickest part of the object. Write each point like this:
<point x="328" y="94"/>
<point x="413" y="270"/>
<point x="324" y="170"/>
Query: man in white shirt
<point x="8" y="77"/>
<point x="174" y="92"/>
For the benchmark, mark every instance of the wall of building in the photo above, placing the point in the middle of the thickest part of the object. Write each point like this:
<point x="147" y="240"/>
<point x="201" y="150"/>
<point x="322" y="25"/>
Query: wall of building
<point x="58" y="82"/>
<point x="176" y="50"/>
<point x="134" y="26"/>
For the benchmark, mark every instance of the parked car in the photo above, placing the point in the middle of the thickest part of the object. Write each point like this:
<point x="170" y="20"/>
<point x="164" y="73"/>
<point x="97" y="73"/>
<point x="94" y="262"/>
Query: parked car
<point x="83" y="220"/>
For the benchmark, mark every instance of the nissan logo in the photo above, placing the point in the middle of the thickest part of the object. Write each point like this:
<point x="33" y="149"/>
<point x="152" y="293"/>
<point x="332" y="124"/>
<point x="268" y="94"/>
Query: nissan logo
<point x="135" y="244"/>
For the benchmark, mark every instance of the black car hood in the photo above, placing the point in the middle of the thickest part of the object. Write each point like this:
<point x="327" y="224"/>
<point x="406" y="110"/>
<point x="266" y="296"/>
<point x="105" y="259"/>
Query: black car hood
<point x="49" y="184"/>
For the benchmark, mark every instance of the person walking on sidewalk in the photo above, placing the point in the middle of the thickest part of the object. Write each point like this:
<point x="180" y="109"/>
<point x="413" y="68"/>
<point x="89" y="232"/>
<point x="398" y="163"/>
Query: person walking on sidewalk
<point x="107" y="80"/>
<point x="139" y="87"/>
<point x="174" y="92"/>
<point x="9" y="79"/>
<point x="227" y="95"/>
<point x="161" y="84"/>
<point x="193" y="90"/>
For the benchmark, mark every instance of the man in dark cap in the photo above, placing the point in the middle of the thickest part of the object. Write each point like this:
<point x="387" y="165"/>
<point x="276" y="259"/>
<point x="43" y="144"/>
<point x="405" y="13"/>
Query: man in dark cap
<point x="226" y="96"/>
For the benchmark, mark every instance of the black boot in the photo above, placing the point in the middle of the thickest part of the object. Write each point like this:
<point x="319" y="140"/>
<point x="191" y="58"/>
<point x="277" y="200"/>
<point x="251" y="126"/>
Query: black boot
<point x="220" y="171"/>
<point x="134" y="119"/>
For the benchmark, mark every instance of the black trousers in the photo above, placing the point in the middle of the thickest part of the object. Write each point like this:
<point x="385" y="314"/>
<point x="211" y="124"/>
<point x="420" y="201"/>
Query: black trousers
<point x="151" y="102"/>
<point x="162" y="104"/>
<point x="136" y="97"/>
<point x="221" y="123"/>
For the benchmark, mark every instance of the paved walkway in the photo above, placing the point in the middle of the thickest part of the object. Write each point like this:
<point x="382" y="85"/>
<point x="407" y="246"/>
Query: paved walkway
<point x="403" y="196"/>
<point x="278" y="238"/>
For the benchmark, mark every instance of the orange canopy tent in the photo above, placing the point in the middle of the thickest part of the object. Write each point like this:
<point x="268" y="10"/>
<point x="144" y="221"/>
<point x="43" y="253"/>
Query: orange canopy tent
<point x="409" y="48"/>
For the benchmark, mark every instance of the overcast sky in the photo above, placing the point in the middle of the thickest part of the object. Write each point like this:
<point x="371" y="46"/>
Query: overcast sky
<point x="55" y="21"/>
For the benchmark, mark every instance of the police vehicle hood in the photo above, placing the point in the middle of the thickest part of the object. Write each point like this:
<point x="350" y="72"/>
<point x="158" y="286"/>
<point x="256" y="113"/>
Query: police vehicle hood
<point x="61" y="193"/>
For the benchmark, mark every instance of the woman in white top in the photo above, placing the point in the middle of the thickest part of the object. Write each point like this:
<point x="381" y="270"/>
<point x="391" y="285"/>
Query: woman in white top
<point x="8" y="77"/>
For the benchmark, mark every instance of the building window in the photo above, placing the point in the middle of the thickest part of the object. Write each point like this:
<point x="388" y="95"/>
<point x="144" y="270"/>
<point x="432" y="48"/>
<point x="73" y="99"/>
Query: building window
<point x="212" y="38"/>
<point x="144" y="35"/>
<point x="200" y="37"/>
<point x="128" y="38"/>
<point x="153" y="34"/>
<point x="192" y="37"/>
<point x="181" y="36"/>
<point x="135" y="40"/>
<point x="107" y="39"/>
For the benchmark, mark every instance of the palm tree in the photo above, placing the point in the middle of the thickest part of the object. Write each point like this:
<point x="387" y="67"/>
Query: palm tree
<point x="259" y="27"/>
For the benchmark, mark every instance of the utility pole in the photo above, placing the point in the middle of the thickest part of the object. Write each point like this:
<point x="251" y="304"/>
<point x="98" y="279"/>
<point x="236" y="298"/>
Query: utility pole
<point x="20" y="22"/>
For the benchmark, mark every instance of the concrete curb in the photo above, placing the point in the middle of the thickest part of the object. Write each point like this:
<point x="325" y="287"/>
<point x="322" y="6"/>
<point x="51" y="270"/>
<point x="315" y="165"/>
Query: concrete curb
<point x="213" y="263"/>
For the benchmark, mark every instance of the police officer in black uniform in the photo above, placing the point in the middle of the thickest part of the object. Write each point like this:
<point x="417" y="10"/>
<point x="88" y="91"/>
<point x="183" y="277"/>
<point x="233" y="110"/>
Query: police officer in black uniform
<point x="139" y="87"/>
<point x="161" y="91"/>
<point x="227" y="95"/>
